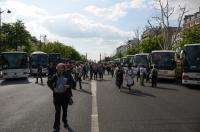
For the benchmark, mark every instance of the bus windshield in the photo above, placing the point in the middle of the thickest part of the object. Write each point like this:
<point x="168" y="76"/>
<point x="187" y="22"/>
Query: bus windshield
<point x="141" y="60"/>
<point x="193" y="56"/>
<point x="14" y="60"/>
<point x="53" y="57"/>
<point x="40" y="59"/>
<point x="123" y="60"/>
<point x="164" y="60"/>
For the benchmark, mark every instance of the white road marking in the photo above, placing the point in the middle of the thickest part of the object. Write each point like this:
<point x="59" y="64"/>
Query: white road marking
<point x="94" y="116"/>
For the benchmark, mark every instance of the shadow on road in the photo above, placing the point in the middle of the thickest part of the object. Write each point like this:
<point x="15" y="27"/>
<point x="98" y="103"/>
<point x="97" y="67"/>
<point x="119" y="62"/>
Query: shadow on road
<point x="138" y="93"/>
<point x="193" y="87"/>
<point x="14" y="81"/>
<point x="171" y="81"/>
<point x="164" y="88"/>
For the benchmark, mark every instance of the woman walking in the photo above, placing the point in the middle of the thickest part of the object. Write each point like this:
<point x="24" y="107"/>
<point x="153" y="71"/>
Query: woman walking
<point x="129" y="77"/>
<point x="119" y="76"/>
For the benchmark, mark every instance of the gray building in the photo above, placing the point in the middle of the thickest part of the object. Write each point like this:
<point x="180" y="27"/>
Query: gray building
<point x="191" y="20"/>
<point x="122" y="49"/>
<point x="134" y="43"/>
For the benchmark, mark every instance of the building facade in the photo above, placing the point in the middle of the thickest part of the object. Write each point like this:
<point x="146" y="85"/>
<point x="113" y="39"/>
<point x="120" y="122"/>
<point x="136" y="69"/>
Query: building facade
<point x="191" y="20"/>
<point x="122" y="49"/>
<point x="134" y="43"/>
<point x="150" y="32"/>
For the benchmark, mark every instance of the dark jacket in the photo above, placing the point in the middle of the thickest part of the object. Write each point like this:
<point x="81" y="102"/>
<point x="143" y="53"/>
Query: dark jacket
<point x="70" y="81"/>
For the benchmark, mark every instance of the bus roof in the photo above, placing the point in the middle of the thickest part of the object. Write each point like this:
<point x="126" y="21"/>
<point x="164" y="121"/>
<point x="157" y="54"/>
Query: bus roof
<point x="123" y="57"/>
<point x="130" y="55"/>
<point x="116" y="59"/>
<point x="38" y="52"/>
<point x="13" y="52"/>
<point x="54" y="53"/>
<point x="191" y="45"/>
<point x="157" y="51"/>
<point x="142" y="54"/>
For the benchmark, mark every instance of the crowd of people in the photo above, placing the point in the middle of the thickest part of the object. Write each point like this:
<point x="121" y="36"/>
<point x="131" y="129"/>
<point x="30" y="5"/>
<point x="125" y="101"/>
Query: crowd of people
<point x="65" y="76"/>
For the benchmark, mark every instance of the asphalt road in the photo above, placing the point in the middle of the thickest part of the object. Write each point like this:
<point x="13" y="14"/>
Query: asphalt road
<point x="27" y="107"/>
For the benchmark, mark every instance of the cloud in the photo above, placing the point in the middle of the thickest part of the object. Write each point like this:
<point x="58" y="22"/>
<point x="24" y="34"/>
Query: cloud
<point x="191" y="7"/>
<point x="79" y="26"/>
<point x="73" y="28"/>
<point x="71" y="25"/>
<point x="116" y="11"/>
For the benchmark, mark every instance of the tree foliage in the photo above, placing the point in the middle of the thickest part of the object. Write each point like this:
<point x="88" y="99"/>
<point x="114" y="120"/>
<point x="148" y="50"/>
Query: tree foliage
<point x="14" y="36"/>
<point x="150" y="44"/>
<point x="146" y="46"/>
<point x="191" y="35"/>
<point x="118" y="55"/>
<point x="132" y="51"/>
<point x="57" y="47"/>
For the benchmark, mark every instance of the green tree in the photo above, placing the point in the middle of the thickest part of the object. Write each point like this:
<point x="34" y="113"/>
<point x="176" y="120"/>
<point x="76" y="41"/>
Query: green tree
<point x="15" y="36"/>
<point x="57" y="47"/>
<point x="190" y="36"/>
<point x="150" y="44"/>
<point x="132" y="51"/>
<point x="117" y="55"/>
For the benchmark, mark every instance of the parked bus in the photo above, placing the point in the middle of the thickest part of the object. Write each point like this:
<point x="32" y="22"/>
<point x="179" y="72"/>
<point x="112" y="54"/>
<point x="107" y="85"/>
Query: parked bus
<point x="55" y="58"/>
<point x="165" y="62"/>
<point x="140" y="59"/>
<point x="191" y="64"/>
<point x="130" y="59"/>
<point x="1" y="62"/>
<point x="123" y="61"/>
<point x="116" y="61"/>
<point x="38" y="58"/>
<point x="14" y="65"/>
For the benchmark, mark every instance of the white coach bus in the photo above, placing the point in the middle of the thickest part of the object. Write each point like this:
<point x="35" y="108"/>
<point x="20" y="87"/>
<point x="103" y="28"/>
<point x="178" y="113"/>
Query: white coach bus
<point x="165" y="62"/>
<point x="38" y="58"/>
<point x="140" y="59"/>
<point x="190" y="56"/>
<point x="14" y="65"/>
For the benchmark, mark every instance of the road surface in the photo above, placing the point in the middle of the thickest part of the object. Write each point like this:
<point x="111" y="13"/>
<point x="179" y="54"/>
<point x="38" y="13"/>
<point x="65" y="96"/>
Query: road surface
<point x="28" y="107"/>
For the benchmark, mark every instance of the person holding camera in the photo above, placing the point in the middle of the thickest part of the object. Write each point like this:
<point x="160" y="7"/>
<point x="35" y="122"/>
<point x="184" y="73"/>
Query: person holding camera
<point x="61" y="85"/>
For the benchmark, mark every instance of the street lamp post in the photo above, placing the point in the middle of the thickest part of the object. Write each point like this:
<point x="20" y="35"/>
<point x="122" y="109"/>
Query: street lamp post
<point x="8" y="11"/>
<point x="44" y="38"/>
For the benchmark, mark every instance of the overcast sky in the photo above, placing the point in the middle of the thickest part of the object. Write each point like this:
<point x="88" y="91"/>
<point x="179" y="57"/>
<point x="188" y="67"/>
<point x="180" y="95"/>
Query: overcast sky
<point x="90" y="26"/>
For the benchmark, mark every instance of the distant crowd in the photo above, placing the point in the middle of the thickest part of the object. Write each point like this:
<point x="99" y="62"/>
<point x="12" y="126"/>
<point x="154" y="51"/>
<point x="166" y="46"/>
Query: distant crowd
<point x="63" y="77"/>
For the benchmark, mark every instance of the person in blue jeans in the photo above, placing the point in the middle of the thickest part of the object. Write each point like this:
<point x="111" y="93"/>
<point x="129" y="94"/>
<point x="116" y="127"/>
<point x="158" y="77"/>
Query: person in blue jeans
<point x="61" y="85"/>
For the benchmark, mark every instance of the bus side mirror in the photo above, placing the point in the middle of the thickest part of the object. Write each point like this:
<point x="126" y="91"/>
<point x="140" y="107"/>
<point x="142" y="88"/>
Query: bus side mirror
<point x="181" y="54"/>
